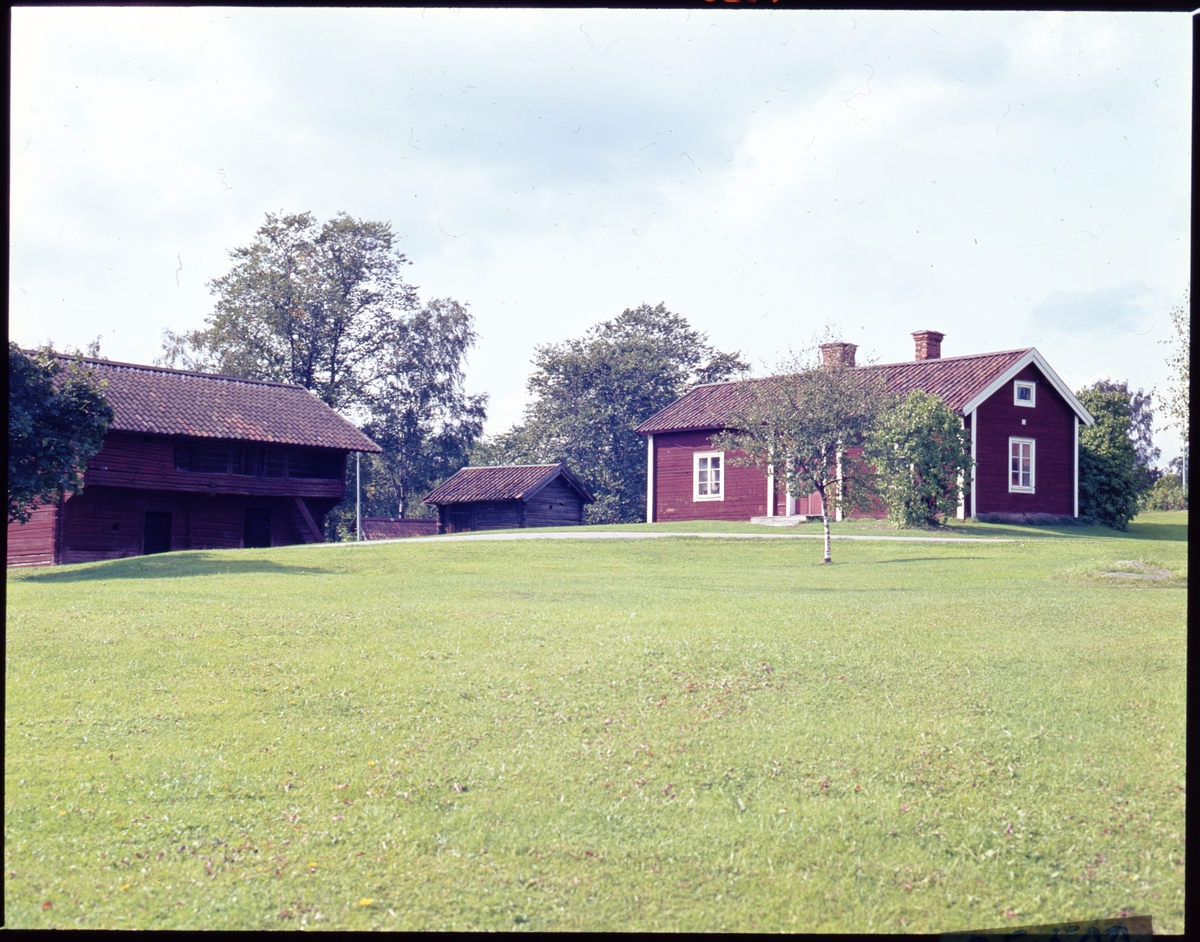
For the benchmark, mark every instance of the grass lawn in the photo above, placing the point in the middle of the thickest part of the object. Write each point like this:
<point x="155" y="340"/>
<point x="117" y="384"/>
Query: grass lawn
<point x="605" y="735"/>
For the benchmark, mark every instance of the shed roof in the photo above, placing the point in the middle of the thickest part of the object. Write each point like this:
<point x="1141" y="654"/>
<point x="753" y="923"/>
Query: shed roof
<point x="504" y="482"/>
<point x="962" y="382"/>
<point x="154" y="400"/>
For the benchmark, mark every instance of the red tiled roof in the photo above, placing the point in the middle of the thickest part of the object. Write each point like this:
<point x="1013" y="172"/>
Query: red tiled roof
<point x="157" y="401"/>
<point x="503" y="482"/>
<point x="956" y="379"/>
<point x="391" y="528"/>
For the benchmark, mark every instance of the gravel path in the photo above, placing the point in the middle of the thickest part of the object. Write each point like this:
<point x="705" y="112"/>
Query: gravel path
<point x="609" y="535"/>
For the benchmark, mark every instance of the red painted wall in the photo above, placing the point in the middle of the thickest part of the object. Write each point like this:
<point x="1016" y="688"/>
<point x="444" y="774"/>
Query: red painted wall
<point x="148" y="461"/>
<point x="107" y="523"/>
<point x="1050" y="423"/>
<point x="745" y="487"/>
<point x="32" y="543"/>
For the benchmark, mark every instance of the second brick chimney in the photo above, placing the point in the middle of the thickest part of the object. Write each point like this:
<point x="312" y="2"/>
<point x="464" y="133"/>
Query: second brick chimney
<point x="838" y="355"/>
<point x="929" y="344"/>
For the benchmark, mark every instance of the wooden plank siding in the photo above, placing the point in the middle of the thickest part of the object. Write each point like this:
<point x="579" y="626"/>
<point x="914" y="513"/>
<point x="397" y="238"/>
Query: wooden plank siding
<point x="480" y="515"/>
<point x="128" y="460"/>
<point x="33" y="543"/>
<point x="745" y="488"/>
<point x="108" y="523"/>
<point x="1050" y="423"/>
<point x="555" y="505"/>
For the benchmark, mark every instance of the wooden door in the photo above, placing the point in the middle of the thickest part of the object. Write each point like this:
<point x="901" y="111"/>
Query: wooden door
<point x="256" y="530"/>
<point x="156" y="533"/>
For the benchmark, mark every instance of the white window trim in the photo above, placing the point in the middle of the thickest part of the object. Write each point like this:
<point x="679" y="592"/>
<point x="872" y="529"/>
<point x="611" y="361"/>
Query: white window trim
<point x="1012" y="488"/>
<point x="649" y="478"/>
<point x="1031" y="386"/>
<point x="696" y="456"/>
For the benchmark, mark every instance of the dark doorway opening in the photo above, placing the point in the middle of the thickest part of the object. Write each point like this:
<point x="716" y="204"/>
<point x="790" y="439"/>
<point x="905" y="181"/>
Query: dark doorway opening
<point x="156" y="536"/>
<point x="257" y="528"/>
<point x="458" y="521"/>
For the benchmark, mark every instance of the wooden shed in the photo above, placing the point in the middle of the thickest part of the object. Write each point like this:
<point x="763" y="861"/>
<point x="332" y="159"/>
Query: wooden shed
<point x="509" y="497"/>
<point x="196" y="461"/>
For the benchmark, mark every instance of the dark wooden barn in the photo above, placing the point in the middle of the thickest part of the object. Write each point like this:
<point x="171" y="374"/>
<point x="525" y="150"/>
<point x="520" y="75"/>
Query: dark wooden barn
<point x="196" y="461"/>
<point x="509" y="497"/>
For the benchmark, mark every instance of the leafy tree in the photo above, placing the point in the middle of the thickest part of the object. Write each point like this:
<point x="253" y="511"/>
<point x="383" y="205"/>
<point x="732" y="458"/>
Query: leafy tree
<point x="1141" y="430"/>
<point x="326" y="307"/>
<point x="800" y="427"/>
<point x="1167" y="494"/>
<point x="1180" y="363"/>
<point x="1108" y="469"/>
<point x="420" y="414"/>
<point x="592" y="392"/>
<point x="56" y="420"/>
<point x="318" y="307"/>
<point x="921" y="453"/>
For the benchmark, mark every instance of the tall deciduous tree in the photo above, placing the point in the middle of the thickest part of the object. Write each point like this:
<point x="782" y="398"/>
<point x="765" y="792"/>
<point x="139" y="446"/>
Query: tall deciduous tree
<point x="1141" y="429"/>
<point x="921" y="454"/>
<point x="799" y="427"/>
<point x="1108" y="470"/>
<point x="56" y="420"/>
<point x="321" y="307"/>
<point x="591" y="393"/>
<point x="326" y="307"/>
<point x="1179" y="361"/>
<point x="420" y="413"/>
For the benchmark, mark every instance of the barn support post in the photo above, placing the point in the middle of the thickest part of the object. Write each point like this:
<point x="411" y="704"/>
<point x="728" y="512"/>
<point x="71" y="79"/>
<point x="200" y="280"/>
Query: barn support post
<point x="358" y="496"/>
<point x="771" y="490"/>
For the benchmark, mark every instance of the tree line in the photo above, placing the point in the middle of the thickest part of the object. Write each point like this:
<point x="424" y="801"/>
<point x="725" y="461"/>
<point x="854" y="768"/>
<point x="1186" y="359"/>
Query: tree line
<point x="326" y="306"/>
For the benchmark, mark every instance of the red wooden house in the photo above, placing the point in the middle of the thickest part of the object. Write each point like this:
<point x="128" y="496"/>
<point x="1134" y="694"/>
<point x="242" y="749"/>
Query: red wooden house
<point x="1023" y="421"/>
<point x="196" y="461"/>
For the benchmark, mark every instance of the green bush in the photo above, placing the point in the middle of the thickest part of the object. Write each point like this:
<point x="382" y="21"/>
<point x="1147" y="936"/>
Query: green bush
<point x="1167" y="494"/>
<point x="1108" y="485"/>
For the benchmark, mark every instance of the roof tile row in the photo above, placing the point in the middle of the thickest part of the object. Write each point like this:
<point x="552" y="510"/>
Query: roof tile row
<point x="956" y="380"/>
<point x="159" y="401"/>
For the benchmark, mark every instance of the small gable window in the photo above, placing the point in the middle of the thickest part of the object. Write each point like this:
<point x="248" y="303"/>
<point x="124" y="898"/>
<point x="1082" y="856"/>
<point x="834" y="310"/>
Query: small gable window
<point x="1024" y="394"/>
<point x="707" y="474"/>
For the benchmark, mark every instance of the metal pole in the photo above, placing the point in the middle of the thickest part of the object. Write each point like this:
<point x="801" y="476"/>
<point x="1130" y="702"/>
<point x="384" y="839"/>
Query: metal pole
<point x="358" y="496"/>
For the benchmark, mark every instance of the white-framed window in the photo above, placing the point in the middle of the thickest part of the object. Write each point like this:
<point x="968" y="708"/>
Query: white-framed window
<point x="1021" y="465"/>
<point x="708" y="475"/>
<point x="1024" y="394"/>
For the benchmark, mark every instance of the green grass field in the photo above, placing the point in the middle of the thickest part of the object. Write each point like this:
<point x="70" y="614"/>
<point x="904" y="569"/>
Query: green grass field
<point x="674" y="734"/>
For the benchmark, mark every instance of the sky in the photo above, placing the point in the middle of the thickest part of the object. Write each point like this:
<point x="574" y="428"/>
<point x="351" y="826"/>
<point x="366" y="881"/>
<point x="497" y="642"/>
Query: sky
<point x="1009" y="179"/>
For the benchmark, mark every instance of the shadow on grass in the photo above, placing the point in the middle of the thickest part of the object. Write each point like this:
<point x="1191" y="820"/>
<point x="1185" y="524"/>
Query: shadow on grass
<point x="171" y="566"/>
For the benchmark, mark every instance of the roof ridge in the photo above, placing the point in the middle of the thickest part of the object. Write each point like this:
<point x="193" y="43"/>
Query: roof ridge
<point x="222" y="377"/>
<point x="866" y="366"/>
<point x="490" y="467"/>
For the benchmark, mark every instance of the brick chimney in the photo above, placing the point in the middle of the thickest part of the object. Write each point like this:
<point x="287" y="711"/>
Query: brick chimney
<point x="836" y="355"/>
<point x="929" y="344"/>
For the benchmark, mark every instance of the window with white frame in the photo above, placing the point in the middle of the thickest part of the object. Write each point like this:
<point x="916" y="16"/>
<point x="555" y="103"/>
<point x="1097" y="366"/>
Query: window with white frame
<point x="708" y="469"/>
<point x="1024" y="394"/>
<point x="1020" y="465"/>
